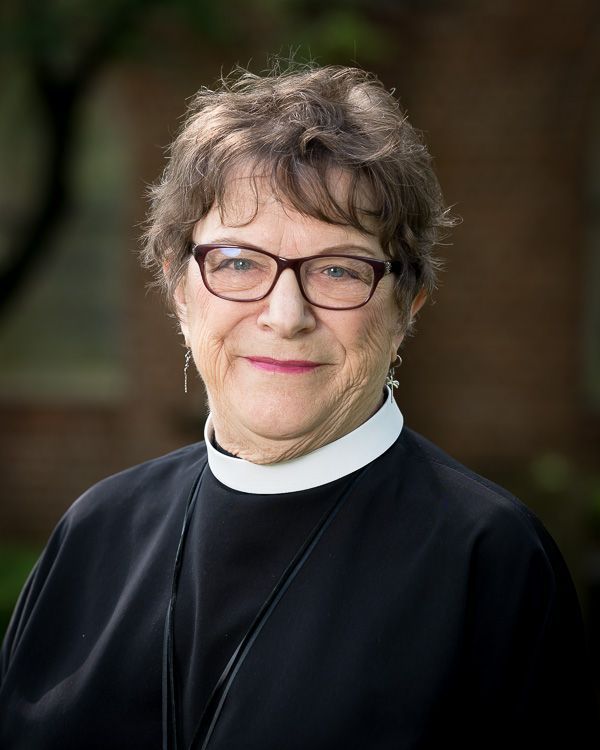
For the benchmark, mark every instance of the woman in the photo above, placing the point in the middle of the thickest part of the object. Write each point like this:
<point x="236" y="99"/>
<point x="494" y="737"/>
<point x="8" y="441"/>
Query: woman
<point x="313" y="575"/>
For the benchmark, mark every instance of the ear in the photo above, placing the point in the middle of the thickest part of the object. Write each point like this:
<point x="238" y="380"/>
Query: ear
<point x="181" y="308"/>
<point x="418" y="303"/>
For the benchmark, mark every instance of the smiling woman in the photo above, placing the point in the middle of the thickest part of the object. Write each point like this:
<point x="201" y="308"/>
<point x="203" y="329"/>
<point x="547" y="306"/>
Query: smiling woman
<point x="304" y="317"/>
<point x="314" y="574"/>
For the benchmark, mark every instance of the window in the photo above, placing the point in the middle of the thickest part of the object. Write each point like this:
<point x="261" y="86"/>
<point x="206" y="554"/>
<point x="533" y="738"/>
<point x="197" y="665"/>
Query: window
<point x="62" y="338"/>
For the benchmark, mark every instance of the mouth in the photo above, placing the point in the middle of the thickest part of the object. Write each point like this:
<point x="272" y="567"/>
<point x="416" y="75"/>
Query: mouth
<point x="288" y="366"/>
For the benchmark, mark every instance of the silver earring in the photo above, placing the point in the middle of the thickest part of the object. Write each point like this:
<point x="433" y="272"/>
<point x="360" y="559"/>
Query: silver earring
<point x="188" y="359"/>
<point x="391" y="379"/>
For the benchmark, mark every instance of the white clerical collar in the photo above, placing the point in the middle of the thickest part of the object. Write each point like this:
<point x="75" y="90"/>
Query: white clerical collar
<point x="326" y="464"/>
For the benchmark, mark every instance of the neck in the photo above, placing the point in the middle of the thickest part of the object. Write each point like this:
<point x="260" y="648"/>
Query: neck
<point x="337" y="459"/>
<point x="242" y="442"/>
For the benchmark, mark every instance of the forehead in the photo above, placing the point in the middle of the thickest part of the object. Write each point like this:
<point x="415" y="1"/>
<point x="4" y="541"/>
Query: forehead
<point x="258" y="212"/>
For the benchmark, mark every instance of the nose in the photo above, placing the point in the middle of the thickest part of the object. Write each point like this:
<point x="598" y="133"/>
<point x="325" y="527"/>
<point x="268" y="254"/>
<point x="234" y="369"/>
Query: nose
<point x="285" y="310"/>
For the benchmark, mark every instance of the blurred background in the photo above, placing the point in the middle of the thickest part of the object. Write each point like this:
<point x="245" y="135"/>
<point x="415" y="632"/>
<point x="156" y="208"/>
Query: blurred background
<point x="504" y="371"/>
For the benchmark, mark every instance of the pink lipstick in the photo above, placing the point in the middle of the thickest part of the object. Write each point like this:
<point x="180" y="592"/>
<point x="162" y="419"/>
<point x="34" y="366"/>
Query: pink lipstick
<point x="288" y="366"/>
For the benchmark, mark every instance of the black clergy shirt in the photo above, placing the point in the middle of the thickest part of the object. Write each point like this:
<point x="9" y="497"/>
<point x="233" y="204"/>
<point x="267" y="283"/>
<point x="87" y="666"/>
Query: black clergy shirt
<point x="432" y="610"/>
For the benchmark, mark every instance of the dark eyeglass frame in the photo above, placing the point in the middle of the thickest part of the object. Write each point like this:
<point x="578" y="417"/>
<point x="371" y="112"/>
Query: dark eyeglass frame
<point x="380" y="268"/>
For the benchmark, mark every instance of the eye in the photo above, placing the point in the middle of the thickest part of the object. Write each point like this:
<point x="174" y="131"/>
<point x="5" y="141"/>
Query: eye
<point x="337" y="272"/>
<point x="241" y="264"/>
<point x="347" y="271"/>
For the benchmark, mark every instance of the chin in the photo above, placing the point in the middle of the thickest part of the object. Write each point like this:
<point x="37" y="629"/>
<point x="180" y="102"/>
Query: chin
<point x="280" y="419"/>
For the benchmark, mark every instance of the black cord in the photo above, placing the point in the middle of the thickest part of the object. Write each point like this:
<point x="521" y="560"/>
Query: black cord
<point x="169" y="708"/>
<point x="214" y="706"/>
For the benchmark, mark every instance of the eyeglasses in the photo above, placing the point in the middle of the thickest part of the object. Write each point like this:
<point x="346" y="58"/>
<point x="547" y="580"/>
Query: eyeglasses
<point x="333" y="282"/>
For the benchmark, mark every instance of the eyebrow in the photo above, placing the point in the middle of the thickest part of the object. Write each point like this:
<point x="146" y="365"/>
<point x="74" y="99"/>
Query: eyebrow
<point x="344" y="247"/>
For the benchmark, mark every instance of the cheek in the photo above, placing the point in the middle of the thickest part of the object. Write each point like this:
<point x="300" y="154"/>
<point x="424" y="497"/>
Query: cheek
<point x="215" y="330"/>
<point x="198" y="315"/>
<point x="372" y="336"/>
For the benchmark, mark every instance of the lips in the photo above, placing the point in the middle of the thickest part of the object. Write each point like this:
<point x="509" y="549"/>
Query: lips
<point x="290" y="366"/>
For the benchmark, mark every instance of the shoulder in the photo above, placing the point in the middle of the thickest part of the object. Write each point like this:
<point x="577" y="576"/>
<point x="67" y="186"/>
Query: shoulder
<point x="497" y="544"/>
<point x="448" y="478"/>
<point x="156" y="474"/>
<point x="152" y="488"/>
<point x="482" y="513"/>
<point x="116" y="529"/>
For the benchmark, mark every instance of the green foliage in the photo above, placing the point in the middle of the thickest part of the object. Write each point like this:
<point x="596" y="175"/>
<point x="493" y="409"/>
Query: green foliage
<point x="552" y="475"/>
<point x="551" y="472"/>
<point x="343" y="34"/>
<point x="65" y="34"/>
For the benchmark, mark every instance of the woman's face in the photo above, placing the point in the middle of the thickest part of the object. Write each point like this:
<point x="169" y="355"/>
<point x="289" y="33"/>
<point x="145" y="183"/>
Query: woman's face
<point x="284" y="377"/>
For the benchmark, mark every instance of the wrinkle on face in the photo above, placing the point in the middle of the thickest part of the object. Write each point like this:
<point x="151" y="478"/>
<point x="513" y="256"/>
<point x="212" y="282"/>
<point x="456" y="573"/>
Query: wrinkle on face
<point x="264" y="416"/>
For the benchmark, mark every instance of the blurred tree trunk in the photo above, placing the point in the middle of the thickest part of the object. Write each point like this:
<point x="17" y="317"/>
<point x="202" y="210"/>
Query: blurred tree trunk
<point x="60" y="96"/>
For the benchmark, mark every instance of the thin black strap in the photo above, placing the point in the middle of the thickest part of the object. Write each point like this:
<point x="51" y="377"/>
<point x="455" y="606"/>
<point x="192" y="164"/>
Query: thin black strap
<point x="214" y="705"/>
<point x="169" y="709"/>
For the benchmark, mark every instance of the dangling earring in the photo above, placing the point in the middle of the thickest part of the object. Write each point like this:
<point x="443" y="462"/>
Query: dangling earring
<point x="391" y="380"/>
<point x="188" y="359"/>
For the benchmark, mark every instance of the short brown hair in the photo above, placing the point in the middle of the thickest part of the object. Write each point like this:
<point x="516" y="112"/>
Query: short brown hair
<point x="295" y="127"/>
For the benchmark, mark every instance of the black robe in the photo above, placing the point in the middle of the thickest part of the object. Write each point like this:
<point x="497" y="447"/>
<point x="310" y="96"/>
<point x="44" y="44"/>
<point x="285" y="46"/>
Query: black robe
<point x="426" y="607"/>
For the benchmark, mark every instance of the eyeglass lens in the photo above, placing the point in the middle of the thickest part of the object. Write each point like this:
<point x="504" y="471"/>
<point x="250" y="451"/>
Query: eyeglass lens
<point x="243" y="274"/>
